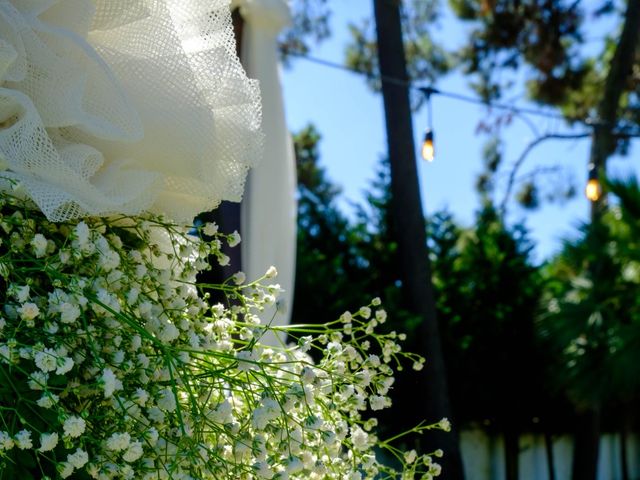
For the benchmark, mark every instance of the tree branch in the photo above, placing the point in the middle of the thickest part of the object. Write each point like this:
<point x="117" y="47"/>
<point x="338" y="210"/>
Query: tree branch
<point x="523" y="156"/>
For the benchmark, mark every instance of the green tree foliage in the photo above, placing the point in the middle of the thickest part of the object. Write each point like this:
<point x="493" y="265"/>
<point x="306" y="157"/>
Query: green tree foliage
<point x="310" y="25"/>
<point x="326" y="261"/>
<point x="426" y="59"/>
<point x="548" y="48"/>
<point x="507" y="35"/>
<point x="487" y="291"/>
<point x="344" y="262"/>
<point x="592" y="317"/>
<point x="485" y="284"/>
<point x="591" y="326"/>
<point x="341" y="262"/>
<point x="488" y="294"/>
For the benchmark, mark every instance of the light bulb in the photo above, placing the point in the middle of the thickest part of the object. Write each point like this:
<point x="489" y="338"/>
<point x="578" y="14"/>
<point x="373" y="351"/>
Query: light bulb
<point x="593" y="190"/>
<point x="428" y="150"/>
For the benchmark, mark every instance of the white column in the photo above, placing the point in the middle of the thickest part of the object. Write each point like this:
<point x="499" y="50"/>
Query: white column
<point x="269" y="205"/>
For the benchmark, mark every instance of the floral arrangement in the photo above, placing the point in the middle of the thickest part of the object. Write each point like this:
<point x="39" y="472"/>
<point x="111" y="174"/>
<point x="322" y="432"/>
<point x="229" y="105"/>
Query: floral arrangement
<point x="116" y="363"/>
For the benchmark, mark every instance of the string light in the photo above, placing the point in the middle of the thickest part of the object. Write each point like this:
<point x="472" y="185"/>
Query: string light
<point x="428" y="150"/>
<point x="593" y="190"/>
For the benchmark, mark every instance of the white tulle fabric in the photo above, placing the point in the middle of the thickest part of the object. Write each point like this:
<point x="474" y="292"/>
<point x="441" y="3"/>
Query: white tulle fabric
<point x="124" y="106"/>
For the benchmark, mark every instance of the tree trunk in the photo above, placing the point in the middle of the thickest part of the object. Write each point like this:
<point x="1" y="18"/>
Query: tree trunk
<point x="586" y="445"/>
<point x="587" y="439"/>
<point x="511" y="453"/>
<point x="625" y="430"/>
<point x="604" y="140"/>
<point x="431" y="402"/>
<point x="551" y="464"/>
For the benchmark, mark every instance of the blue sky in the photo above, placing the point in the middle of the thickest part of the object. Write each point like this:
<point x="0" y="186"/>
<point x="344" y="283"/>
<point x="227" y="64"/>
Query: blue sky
<point x="350" y="118"/>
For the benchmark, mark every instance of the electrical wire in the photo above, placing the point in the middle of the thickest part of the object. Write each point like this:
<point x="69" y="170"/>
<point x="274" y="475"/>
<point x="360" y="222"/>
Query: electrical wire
<point x="429" y="90"/>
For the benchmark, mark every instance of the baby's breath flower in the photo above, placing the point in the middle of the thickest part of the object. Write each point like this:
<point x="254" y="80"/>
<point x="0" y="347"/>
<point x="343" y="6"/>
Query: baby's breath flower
<point x="133" y="453"/>
<point x="69" y="312"/>
<point x="6" y="354"/>
<point x="234" y="239"/>
<point x="21" y="293"/>
<point x="239" y="278"/>
<point x="378" y="402"/>
<point x="38" y="380"/>
<point x="263" y="470"/>
<point x="23" y="440"/>
<point x="271" y="272"/>
<point x="74" y="427"/>
<point x="6" y="442"/>
<point x="110" y="382"/>
<point x="118" y="441"/>
<point x="359" y="438"/>
<point x="28" y="311"/>
<point x="48" y="441"/>
<point x="64" y="365"/>
<point x="65" y="469"/>
<point x="210" y="229"/>
<point x="445" y="425"/>
<point x="46" y="360"/>
<point x="381" y="316"/>
<point x="78" y="459"/>
<point x="48" y="400"/>
<point x="410" y="456"/>
<point x="82" y="233"/>
<point x="167" y="400"/>
<point x="39" y="244"/>
<point x="125" y="333"/>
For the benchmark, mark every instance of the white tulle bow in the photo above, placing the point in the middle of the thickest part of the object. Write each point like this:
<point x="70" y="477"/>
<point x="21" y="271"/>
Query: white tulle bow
<point x="124" y="106"/>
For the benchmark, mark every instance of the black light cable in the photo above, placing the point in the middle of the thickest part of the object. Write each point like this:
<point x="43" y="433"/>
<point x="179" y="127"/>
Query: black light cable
<point x="593" y="189"/>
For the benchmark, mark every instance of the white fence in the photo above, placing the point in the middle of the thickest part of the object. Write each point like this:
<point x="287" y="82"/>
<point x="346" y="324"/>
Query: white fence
<point x="483" y="457"/>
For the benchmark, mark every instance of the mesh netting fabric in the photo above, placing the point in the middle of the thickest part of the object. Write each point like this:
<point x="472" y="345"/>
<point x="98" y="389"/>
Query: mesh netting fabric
<point x="124" y="106"/>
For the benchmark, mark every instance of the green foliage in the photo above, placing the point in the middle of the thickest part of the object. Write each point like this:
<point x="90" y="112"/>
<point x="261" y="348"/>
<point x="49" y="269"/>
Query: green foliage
<point x="341" y="260"/>
<point x="327" y="261"/>
<point x="345" y="259"/>
<point x="528" y="196"/>
<point x="311" y="23"/>
<point x="546" y="48"/>
<point x="488" y="292"/>
<point x="486" y="287"/>
<point x="591" y="324"/>
<point x="426" y="59"/>
<point x="507" y="34"/>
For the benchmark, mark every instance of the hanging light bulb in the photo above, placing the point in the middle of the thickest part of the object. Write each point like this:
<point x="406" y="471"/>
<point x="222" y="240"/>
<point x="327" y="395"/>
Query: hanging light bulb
<point x="428" y="150"/>
<point x="593" y="190"/>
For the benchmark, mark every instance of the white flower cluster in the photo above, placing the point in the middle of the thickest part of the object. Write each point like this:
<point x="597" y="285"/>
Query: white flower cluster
<point x="113" y="364"/>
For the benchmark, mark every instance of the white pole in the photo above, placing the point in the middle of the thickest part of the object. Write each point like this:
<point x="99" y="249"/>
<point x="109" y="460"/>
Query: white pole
<point x="269" y="205"/>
